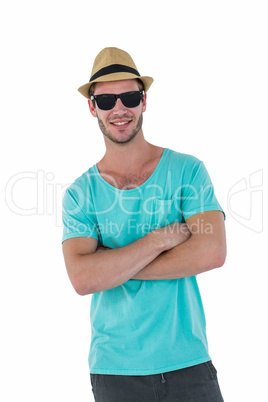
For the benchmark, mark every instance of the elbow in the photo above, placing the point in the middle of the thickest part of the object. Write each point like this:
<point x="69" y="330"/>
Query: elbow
<point x="212" y="255"/>
<point x="78" y="286"/>
<point x="219" y="261"/>
<point x="81" y="285"/>
<point x="81" y="273"/>
<point x="218" y="257"/>
<point x="80" y="290"/>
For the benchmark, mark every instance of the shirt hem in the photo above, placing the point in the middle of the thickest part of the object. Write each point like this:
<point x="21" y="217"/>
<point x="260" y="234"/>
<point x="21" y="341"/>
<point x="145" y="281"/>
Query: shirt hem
<point x="75" y="235"/>
<point x="207" y="208"/>
<point x="159" y="370"/>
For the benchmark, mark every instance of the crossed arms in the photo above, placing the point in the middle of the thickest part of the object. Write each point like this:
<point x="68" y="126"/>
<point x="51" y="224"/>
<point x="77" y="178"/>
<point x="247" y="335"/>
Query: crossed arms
<point x="174" y="251"/>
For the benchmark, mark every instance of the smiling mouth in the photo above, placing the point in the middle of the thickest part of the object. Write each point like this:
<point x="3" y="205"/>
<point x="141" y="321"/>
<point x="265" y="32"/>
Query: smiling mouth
<point x="121" y="123"/>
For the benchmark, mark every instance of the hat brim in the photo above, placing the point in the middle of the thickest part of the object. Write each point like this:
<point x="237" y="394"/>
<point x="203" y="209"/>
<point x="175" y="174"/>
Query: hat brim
<point x="147" y="81"/>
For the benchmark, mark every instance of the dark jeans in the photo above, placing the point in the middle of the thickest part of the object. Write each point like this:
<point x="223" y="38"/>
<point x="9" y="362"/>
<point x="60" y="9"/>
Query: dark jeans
<point x="193" y="384"/>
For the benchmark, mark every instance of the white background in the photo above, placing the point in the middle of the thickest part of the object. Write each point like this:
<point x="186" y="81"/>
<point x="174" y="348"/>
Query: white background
<point x="209" y="98"/>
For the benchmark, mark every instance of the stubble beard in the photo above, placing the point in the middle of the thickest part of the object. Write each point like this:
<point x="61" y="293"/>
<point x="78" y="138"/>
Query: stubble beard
<point x="108" y="134"/>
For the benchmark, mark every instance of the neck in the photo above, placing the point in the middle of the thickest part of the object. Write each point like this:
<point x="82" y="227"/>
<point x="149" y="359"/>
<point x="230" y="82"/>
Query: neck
<point x="127" y="157"/>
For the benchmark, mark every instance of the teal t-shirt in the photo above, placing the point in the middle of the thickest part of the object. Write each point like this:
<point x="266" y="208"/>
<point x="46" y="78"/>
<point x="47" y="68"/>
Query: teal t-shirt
<point x="150" y="326"/>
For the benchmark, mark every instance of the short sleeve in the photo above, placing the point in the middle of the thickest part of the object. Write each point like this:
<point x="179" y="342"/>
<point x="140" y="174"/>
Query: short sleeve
<point x="198" y="192"/>
<point x="76" y="223"/>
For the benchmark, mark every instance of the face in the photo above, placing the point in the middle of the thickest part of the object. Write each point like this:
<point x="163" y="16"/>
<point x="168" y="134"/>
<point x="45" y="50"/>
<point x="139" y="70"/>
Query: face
<point x="120" y="124"/>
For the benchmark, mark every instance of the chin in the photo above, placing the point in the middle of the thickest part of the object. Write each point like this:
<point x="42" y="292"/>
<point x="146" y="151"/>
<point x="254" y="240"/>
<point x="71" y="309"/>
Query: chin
<point x="118" y="140"/>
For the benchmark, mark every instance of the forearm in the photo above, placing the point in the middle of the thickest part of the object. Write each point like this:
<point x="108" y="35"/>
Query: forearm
<point x="93" y="269"/>
<point x="187" y="259"/>
<point x="107" y="269"/>
<point x="203" y="251"/>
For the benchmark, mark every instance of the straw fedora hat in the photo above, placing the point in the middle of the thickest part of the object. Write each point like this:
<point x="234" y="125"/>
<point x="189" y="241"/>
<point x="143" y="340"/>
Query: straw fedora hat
<point x="113" y="64"/>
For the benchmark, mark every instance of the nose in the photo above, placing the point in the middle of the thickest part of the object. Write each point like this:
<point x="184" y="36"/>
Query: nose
<point x="119" y="107"/>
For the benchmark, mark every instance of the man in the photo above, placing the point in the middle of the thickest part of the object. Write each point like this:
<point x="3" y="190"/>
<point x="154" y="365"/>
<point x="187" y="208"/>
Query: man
<point x="138" y="227"/>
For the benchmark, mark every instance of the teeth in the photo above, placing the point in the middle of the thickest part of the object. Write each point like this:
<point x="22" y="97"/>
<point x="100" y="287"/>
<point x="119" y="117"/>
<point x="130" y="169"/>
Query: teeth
<point x="122" y="123"/>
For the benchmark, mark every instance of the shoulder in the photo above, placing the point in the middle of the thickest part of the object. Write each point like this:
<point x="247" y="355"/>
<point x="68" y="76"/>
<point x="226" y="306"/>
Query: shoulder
<point x="182" y="159"/>
<point x="80" y="190"/>
<point x="82" y="182"/>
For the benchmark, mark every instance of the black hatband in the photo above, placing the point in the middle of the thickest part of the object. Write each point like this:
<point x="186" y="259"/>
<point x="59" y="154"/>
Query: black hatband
<point x="114" y="68"/>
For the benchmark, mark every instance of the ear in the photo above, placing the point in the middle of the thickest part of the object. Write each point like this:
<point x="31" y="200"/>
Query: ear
<point x="144" y="102"/>
<point x="92" y="108"/>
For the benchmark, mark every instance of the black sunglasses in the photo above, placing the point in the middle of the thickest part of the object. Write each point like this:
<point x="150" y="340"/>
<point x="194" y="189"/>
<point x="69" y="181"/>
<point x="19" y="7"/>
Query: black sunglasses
<point x="108" y="101"/>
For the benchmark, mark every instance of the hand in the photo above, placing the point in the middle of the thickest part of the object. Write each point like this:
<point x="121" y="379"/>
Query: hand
<point x="172" y="235"/>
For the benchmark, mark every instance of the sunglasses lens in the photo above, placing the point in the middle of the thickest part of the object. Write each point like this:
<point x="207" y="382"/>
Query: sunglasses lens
<point x="131" y="99"/>
<point x="106" y="102"/>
